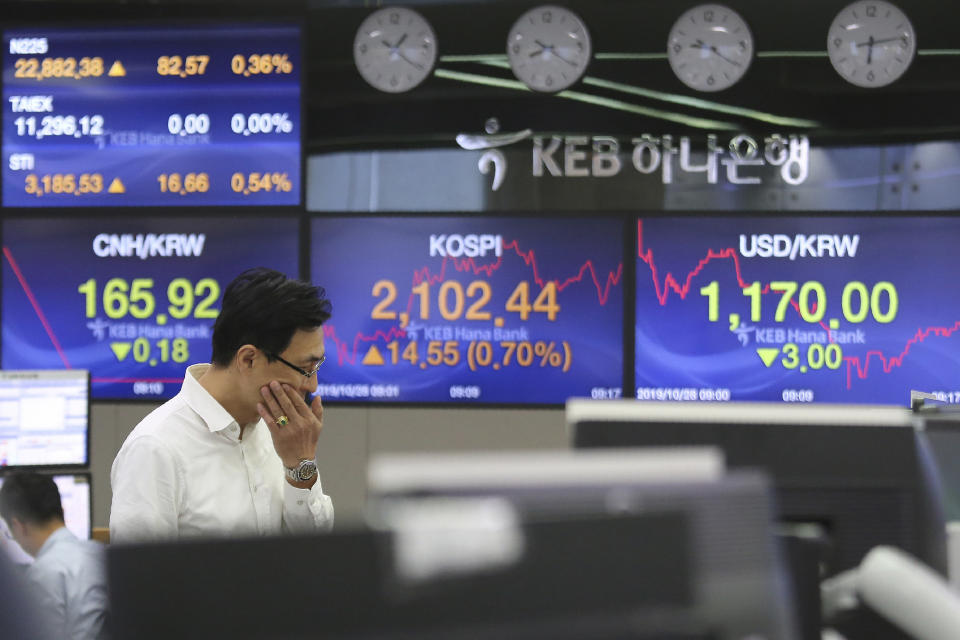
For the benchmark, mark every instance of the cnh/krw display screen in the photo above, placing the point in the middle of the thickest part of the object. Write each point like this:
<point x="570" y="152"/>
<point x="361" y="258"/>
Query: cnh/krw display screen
<point x="490" y="310"/>
<point x="798" y="309"/>
<point x="133" y="300"/>
<point x="151" y="115"/>
<point x="44" y="417"/>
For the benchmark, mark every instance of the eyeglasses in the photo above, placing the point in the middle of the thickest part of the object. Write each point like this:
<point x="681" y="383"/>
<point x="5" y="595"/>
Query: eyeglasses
<point x="304" y="372"/>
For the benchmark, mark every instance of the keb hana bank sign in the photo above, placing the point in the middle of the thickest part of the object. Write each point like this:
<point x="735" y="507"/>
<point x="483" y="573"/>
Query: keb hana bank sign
<point x="739" y="159"/>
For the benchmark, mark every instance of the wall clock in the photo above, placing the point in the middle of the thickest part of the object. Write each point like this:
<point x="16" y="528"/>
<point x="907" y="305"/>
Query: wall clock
<point x="549" y="48"/>
<point x="871" y="43"/>
<point x="395" y="49"/>
<point x="710" y="47"/>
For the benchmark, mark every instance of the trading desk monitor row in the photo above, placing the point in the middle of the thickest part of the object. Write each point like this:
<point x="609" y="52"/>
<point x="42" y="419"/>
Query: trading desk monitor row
<point x="852" y="476"/>
<point x="75" y="498"/>
<point x="44" y="418"/>
<point x="518" y="310"/>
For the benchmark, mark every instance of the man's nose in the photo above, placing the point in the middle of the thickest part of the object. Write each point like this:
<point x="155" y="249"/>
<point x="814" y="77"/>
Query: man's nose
<point x="309" y="383"/>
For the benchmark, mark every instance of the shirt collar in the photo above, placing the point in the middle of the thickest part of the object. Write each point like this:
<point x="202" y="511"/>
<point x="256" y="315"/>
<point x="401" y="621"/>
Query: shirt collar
<point x="57" y="536"/>
<point x="210" y="411"/>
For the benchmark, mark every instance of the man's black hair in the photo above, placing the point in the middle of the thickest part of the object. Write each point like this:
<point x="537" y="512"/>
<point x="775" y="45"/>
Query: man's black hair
<point x="265" y="308"/>
<point x="30" y="497"/>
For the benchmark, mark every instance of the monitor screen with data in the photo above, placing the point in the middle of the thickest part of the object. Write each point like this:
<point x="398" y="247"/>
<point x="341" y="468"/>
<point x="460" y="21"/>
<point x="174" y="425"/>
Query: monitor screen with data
<point x="796" y="309"/>
<point x="151" y="115"/>
<point x="133" y="300"/>
<point x="517" y="310"/>
<point x="44" y="418"/>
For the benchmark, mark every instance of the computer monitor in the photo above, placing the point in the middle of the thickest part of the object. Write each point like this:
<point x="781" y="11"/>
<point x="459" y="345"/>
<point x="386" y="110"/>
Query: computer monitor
<point x="75" y="497"/>
<point x="740" y="586"/>
<point x="859" y="476"/>
<point x="44" y="418"/>
<point x="571" y="581"/>
<point x="941" y="424"/>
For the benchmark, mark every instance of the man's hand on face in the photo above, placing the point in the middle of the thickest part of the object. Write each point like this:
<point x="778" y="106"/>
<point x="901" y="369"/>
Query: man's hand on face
<point x="294" y="426"/>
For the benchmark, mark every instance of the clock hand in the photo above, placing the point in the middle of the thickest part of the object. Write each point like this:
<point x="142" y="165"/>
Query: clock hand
<point x="415" y="64"/>
<point x="870" y="51"/>
<point x="572" y="64"/>
<point x="395" y="50"/>
<point x="881" y="41"/>
<point x="723" y="57"/>
<point x="543" y="48"/>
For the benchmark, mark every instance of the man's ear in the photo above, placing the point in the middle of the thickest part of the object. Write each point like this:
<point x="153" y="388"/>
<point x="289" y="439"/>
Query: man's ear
<point x="246" y="357"/>
<point x="18" y="527"/>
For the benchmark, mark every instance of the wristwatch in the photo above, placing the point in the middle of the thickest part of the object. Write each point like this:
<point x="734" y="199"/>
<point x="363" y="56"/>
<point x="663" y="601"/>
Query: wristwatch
<point x="302" y="472"/>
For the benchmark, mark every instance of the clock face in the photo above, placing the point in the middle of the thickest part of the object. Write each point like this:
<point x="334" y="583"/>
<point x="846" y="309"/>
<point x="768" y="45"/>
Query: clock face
<point x="395" y="49"/>
<point x="710" y="47"/>
<point x="549" y="48"/>
<point x="871" y="43"/>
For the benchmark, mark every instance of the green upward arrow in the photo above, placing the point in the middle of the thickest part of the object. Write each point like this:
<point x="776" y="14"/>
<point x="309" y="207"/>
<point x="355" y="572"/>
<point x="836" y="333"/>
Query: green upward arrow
<point x="768" y="355"/>
<point x="120" y="349"/>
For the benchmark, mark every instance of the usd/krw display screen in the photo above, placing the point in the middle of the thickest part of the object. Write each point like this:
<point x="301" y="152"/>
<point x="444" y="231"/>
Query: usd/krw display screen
<point x="494" y="310"/>
<point x="151" y="115"/>
<point x="131" y="300"/>
<point x="44" y="417"/>
<point x="844" y="309"/>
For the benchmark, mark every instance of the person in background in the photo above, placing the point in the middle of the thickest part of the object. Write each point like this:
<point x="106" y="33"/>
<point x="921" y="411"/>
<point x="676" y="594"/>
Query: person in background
<point x="234" y="452"/>
<point x="68" y="575"/>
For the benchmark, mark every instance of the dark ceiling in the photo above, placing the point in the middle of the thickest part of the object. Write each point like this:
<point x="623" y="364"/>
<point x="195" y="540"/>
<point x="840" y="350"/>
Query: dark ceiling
<point x="344" y="112"/>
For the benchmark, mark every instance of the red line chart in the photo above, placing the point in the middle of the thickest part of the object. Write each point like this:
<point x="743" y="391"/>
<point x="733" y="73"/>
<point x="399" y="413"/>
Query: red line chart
<point x="347" y="350"/>
<point x="682" y="286"/>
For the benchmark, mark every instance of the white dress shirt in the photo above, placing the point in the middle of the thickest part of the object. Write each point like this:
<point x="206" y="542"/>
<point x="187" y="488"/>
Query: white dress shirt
<point x="69" y="580"/>
<point x="185" y="472"/>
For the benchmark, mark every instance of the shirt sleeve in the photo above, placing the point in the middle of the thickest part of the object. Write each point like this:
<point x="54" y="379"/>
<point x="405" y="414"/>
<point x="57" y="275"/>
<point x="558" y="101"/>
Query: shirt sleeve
<point x="306" y="510"/>
<point x="146" y="483"/>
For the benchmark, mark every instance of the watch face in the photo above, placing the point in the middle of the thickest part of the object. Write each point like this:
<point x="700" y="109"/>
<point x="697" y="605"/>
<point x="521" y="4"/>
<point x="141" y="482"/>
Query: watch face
<point x="395" y="49"/>
<point x="710" y="47"/>
<point x="307" y="469"/>
<point x="549" y="48"/>
<point x="871" y="43"/>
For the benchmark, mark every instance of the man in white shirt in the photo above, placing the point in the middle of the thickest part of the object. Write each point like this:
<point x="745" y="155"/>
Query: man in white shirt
<point x="233" y="454"/>
<point x="68" y="576"/>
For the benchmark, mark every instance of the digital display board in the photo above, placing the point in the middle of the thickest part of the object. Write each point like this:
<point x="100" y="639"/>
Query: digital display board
<point x="151" y="116"/>
<point x="75" y="500"/>
<point x="132" y="301"/>
<point x="488" y="310"/>
<point x="44" y="417"/>
<point x="797" y="309"/>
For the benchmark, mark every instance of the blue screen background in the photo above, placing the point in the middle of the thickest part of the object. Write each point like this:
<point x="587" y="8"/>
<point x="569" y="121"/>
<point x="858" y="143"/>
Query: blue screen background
<point x="678" y="348"/>
<point x="136" y="145"/>
<point x="45" y="321"/>
<point x="584" y="256"/>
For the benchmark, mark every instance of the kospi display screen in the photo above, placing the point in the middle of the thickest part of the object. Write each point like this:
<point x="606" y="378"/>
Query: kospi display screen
<point x="131" y="300"/>
<point x="488" y="310"/>
<point x="151" y="115"/>
<point x="798" y="309"/>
